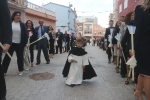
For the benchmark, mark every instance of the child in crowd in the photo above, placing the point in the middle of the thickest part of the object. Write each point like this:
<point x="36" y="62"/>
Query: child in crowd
<point x="78" y="67"/>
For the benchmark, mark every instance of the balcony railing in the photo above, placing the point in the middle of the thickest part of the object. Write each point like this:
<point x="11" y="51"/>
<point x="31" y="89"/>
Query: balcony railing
<point x="18" y="2"/>
<point x="40" y="9"/>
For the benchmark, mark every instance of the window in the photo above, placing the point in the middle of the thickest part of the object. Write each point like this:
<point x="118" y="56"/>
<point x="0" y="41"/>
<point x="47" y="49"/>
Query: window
<point x="88" y="30"/>
<point x="125" y="4"/>
<point x="120" y="8"/>
<point x="80" y="28"/>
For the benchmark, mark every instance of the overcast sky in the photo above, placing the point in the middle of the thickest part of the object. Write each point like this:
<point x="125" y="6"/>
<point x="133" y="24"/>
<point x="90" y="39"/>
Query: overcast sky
<point x="86" y="8"/>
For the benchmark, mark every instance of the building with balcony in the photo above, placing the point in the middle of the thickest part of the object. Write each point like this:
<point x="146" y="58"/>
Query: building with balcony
<point x="98" y="31"/>
<point x="65" y="16"/>
<point x="35" y="12"/>
<point x="91" y="19"/>
<point x="126" y="6"/>
<point x="89" y="28"/>
<point x="30" y="11"/>
<point x="18" y="5"/>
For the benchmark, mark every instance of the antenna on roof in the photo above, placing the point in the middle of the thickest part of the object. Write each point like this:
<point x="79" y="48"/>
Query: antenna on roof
<point x="70" y="5"/>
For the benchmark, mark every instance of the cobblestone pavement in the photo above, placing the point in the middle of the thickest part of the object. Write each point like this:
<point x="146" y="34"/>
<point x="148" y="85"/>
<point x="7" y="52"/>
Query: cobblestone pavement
<point x="107" y="86"/>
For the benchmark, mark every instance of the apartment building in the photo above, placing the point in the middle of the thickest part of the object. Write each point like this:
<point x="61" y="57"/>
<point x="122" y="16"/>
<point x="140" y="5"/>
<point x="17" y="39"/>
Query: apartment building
<point x="30" y="11"/>
<point x="89" y="28"/>
<point x="126" y="6"/>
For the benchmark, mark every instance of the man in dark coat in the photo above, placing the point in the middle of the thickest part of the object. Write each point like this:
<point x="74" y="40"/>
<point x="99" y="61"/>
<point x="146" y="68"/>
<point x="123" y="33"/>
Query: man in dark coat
<point x="42" y="44"/>
<point x="59" y="38"/>
<point x="109" y="31"/>
<point x="66" y="36"/>
<point x="5" y="39"/>
<point x="72" y="43"/>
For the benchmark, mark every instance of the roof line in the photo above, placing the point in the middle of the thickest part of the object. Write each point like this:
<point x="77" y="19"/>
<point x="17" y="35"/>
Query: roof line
<point x="60" y="5"/>
<point x="55" y="4"/>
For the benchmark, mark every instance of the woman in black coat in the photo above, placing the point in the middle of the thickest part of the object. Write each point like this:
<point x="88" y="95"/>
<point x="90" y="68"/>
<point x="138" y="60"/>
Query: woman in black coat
<point x="142" y="48"/>
<point x="126" y="44"/>
<point x="51" y="41"/>
<point x="30" y="28"/>
<point x="19" y="41"/>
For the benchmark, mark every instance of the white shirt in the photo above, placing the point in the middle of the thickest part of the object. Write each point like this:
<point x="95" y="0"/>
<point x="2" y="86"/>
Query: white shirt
<point x="111" y="31"/>
<point x="16" y="36"/>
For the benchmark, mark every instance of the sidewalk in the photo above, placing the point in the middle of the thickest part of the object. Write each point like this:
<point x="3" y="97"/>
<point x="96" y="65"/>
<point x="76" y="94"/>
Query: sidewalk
<point x="107" y="86"/>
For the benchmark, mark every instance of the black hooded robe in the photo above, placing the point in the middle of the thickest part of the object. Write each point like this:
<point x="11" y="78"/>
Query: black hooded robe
<point x="88" y="72"/>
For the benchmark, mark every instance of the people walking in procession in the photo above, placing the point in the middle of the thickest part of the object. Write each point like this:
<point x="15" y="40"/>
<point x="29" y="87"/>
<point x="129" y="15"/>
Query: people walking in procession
<point x="142" y="49"/>
<point x="117" y="52"/>
<point x="52" y="40"/>
<point x="59" y="38"/>
<point x="16" y="35"/>
<point x="31" y="30"/>
<point x="109" y="31"/>
<point x="19" y="41"/>
<point x="42" y="44"/>
<point x="73" y="39"/>
<point x="126" y="45"/>
<point x="67" y="37"/>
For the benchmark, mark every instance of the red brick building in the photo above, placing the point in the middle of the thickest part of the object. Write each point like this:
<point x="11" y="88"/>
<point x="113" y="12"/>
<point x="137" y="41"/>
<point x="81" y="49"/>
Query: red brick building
<point x="126" y="6"/>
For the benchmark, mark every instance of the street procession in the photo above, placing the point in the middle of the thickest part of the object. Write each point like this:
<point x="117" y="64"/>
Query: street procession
<point x="89" y="50"/>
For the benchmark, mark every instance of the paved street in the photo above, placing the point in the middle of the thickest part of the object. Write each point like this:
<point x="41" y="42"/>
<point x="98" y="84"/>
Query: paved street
<point x="107" y="86"/>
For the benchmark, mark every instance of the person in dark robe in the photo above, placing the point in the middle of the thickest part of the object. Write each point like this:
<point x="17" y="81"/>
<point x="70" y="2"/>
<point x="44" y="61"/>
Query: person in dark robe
<point x="78" y="67"/>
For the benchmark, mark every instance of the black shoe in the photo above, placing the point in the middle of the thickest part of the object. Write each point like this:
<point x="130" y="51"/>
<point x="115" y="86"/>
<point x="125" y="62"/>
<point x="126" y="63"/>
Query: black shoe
<point x="123" y="76"/>
<point x="48" y="62"/>
<point x="72" y="85"/>
<point x="56" y="53"/>
<point x="37" y="63"/>
<point x="109" y="61"/>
